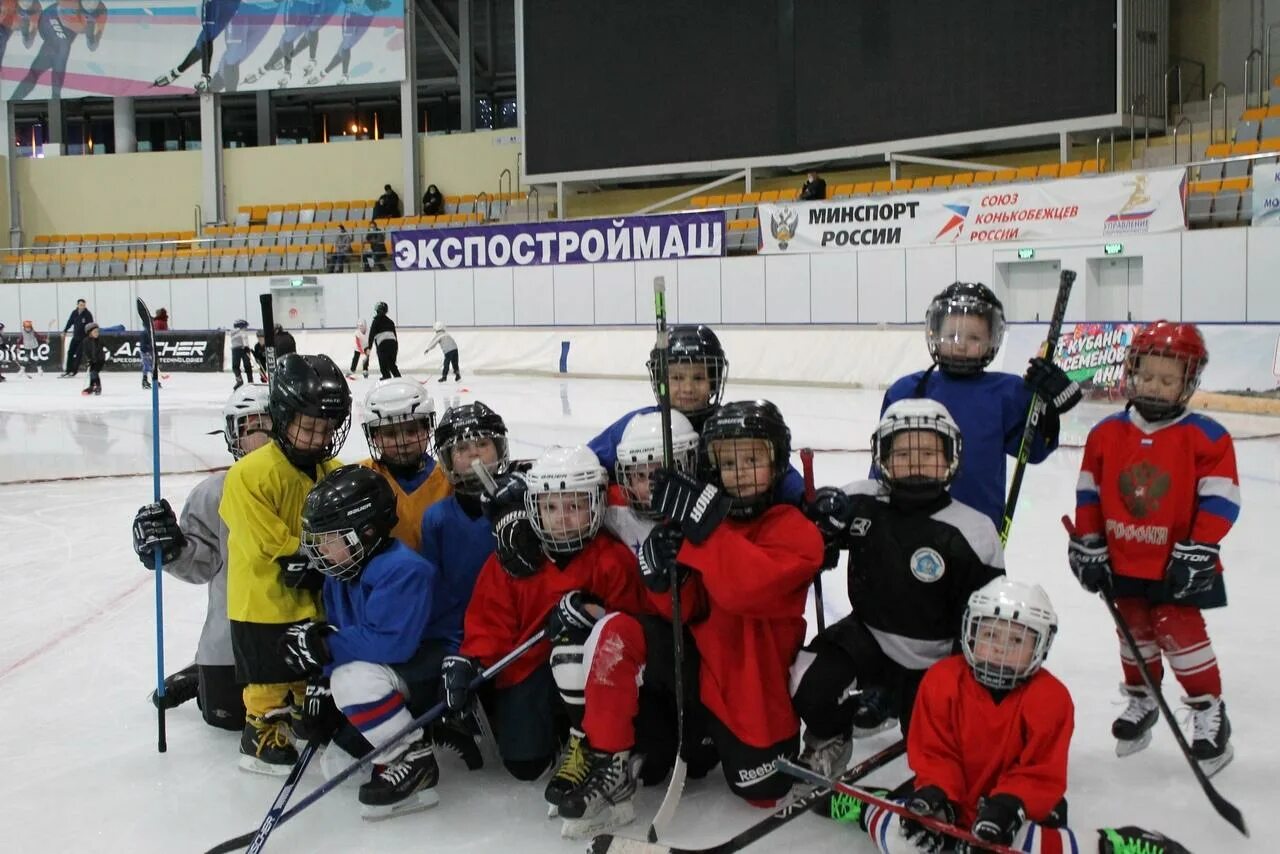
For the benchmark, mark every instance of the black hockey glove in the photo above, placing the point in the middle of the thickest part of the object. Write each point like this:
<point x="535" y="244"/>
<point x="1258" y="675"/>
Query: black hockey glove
<point x="930" y="802"/>
<point x="1052" y="385"/>
<point x="695" y="506"/>
<point x="155" y="525"/>
<point x="320" y="717"/>
<point x="1191" y="569"/>
<point x="456" y="675"/>
<point x="1000" y="817"/>
<point x="518" y="547"/>
<point x="297" y="573"/>
<point x="577" y="611"/>
<point x="1090" y="561"/>
<point x="305" y="647"/>
<point x="831" y="510"/>
<point x="658" y="557"/>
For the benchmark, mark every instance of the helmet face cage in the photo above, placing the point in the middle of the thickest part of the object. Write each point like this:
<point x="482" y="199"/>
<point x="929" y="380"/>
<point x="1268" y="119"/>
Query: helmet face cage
<point x="565" y="519"/>
<point x="642" y="461"/>
<point x="1008" y="628"/>
<point x="282" y="431"/>
<point x="390" y="441"/>
<point x="889" y="452"/>
<point x="716" y="369"/>
<point x="956" y="325"/>
<point x="753" y="477"/>
<point x="1145" y="377"/>
<point x="318" y="546"/>
<point x="314" y="388"/>
<point x="465" y="480"/>
<point x="235" y="431"/>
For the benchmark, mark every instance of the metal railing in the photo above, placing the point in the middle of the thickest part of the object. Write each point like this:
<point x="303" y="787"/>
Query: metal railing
<point x="482" y="195"/>
<point x="1183" y="120"/>
<point x="1248" y="77"/>
<point x="1139" y="100"/>
<point x="1175" y="70"/>
<point x="1212" y="93"/>
<point x="1111" y="157"/>
<point x="507" y="173"/>
<point x="532" y="197"/>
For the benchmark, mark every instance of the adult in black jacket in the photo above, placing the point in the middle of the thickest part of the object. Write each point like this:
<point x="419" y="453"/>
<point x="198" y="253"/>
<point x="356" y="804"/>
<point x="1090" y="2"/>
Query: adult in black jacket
<point x="80" y="317"/>
<point x="387" y="205"/>
<point x="814" y="189"/>
<point x="284" y="343"/>
<point x="382" y="334"/>
<point x="432" y="201"/>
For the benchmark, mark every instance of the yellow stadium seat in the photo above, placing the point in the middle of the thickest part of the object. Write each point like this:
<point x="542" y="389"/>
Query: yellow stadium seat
<point x="1071" y="169"/>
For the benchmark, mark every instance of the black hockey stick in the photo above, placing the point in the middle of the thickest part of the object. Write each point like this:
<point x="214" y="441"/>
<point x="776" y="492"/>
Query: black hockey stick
<point x="1036" y="411"/>
<point x="282" y="800"/>
<point x="149" y="333"/>
<point x="607" y="843"/>
<point x="806" y="461"/>
<point x="671" y="800"/>
<point x="1225" y="808"/>
<point x="268" y="333"/>
<point x="429" y="716"/>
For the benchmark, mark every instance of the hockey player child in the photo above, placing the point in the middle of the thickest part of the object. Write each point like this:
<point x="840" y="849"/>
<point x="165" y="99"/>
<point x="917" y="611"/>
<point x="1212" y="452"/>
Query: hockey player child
<point x="269" y="585"/>
<point x="915" y="555"/>
<point x="398" y="419"/>
<point x="196" y="551"/>
<point x="383" y="642"/>
<point x="93" y="355"/>
<point x="575" y="575"/>
<point x="697" y="371"/>
<point x="745" y="569"/>
<point x="1158" y="491"/>
<point x="382" y="335"/>
<point x="361" y="351"/>
<point x="260" y="355"/>
<point x="989" y="740"/>
<point x="965" y="326"/>
<point x="30" y="343"/>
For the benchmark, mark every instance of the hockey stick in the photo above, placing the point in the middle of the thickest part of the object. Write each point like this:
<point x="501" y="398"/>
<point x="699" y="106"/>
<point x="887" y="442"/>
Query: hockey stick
<point x="148" y="329"/>
<point x="268" y="333"/>
<point x="671" y="800"/>
<point x="1224" y="808"/>
<point x="429" y="716"/>
<point x="1036" y="411"/>
<point x="286" y="791"/>
<point x="607" y="843"/>
<point x="959" y="834"/>
<point x="806" y="461"/>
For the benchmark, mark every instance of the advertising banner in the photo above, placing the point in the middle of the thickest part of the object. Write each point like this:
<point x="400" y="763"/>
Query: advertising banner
<point x="47" y="354"/>
<point x="80" y="48"/>
<point x="1093" y="354"/>
<point x="196" y="350"/>
<point x="1266" y="194"/>
<point x="578" y="241"/>
<point x="1102" y="207"/>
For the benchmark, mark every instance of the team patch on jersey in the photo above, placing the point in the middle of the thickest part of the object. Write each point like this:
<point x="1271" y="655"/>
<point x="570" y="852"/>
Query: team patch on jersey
<point x="1142" y="486"/>
<point x="860" y="526"/>
<point x="927" y="565"/>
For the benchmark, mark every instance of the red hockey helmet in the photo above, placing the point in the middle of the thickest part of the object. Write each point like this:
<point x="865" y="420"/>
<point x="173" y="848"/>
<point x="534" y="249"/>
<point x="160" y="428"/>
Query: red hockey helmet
<point x="1180" y="341"/>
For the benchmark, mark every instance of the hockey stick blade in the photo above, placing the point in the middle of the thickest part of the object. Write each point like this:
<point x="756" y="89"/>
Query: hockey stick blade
<point x="607" y="843"/>
<point x="282" y="800"/>
<point x="1224" y="807"/>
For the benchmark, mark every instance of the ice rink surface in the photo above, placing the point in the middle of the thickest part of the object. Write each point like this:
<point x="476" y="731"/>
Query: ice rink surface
<point x="77" y="636"/>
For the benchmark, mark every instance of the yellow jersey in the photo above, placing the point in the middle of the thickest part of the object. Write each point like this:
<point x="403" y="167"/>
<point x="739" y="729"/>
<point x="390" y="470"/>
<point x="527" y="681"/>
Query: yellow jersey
<point x="412" y="506"/>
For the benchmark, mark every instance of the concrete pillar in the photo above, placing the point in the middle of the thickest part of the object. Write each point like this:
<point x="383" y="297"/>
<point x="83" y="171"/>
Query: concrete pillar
<point x="56" y="135"/>
<point x="8" y="134"/>
<point x="262" y="101"/>
<point x="124" y="122"/>
<point x="1064" y="147"/>
<point x="212" y="201"/>
<point x="466" y="67"/>
<point x="411" y="174"/>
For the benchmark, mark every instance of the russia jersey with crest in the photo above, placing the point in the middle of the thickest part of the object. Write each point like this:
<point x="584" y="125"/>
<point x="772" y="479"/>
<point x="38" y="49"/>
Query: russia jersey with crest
<point x="1146" y="486"/>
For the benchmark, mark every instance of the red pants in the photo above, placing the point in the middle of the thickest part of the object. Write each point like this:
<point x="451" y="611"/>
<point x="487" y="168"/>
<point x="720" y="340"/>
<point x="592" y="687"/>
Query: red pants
<point x="1177" y="631"/>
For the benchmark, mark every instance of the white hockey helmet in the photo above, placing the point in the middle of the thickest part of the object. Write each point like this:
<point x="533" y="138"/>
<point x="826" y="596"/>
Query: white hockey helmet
<point x="397" y="401"/>
<point x="641" y="448"/>
<point x="574" y="478"/>
<point x="438" y="326"/>
<point x="245" y="402"/>
<point x="915" y="414"/>
<point x="1007" y="630"/>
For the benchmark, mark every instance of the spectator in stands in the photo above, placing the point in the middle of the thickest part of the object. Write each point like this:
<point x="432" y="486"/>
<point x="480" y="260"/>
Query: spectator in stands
<point x="341" y="251"/>
<point x="160" y="323"/>
<point x="375" y="248"/>
<point x="432" y="201"/>
<point x="814" y="189"/>
<point x="80" y="317"/>
<point x="387" y="205"/>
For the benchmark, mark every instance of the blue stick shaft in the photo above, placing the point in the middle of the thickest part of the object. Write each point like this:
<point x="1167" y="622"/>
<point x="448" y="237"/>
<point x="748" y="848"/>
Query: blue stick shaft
<point x="155" y="490"/>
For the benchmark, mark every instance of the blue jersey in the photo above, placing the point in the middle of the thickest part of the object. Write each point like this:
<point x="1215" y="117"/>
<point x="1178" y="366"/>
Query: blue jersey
<point x="459" y="546"/>
<point x="384" y="615"/>
<point x="790" y="489"/>
<point x="991" y="410"/>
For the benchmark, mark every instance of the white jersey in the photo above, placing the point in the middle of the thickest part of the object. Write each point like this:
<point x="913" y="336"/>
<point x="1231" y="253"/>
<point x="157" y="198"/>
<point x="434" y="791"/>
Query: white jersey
<point x="242" y="338"/>
<point x="631" y="529"/>
<point x="204" y="561"/>
<point x="29" y="339"/>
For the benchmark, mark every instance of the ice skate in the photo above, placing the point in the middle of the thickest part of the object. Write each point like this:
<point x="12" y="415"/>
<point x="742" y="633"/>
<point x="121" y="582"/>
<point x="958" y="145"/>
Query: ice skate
<point x="828" y="756"/>
<point x="571" y="773"/>
<point x="314" y="79"/>
<point x="266" y="745"/>
<point x="344" y="79"/>
<point x="604" y="801"/>
<point x="455" y="735"/>
<point x="146" y="383"/>
<point x="1210" y="733"/>
<point x="1135" y="840"/>
<point x="405" y="785"/>
<point x="1132" y="730"/>
<point x="873" y="713"/>
<point x="166" y="79"/>
<point x="308" y="70"/>
<point x="178" y="688"/>
<point x="283" y="82"/>
<point x="204" y="84"/>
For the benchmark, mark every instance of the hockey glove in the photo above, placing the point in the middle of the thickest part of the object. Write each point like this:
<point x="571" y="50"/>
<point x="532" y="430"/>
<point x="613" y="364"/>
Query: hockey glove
<point x="297" y="574"/>
<point x="695" y="506"/>
<point x="1192" y="567"/>
<point x="320" y="717"/>
<point x="305" y="647"/>
<point x="518" y="547"/>
<point x="577" y="611"/>
<point x="1090" y="561"/>
<point x="930" y="802"/>
<point x="658" y="557"/>
<point x="1000" y="817"/>
<point x="1052" y="385"/>
<point x="155" y="525"/>
<point x="456" y="675"/>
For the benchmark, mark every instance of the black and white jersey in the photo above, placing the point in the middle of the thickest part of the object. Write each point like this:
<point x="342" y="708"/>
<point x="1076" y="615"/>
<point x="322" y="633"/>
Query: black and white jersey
<point x="911" y="571"/>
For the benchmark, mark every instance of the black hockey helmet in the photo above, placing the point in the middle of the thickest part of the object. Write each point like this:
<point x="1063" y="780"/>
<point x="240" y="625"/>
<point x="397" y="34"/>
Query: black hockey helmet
<point x="748" y="419"/>
<point x="948" y="344"/>
<point x="464" y="424"/>
<point x="353" y="507"/>
<point x="379" y="308"/>
<point x="241" y="324"/>
<point x="313" y="386"/>
<point x="694" y="345"/>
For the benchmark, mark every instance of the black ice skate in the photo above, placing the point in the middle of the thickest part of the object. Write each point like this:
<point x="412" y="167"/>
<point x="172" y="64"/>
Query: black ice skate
<point x="1132" y="730"/>
<point x="571" y="773"/>
<point x="266" y="744"/>
<point x="405" y="785"/>
<point x="178" y="688"/>
<point x="456" y="735"/>
<point x="1135" y="840"/>
<point x="604" y="801"/>
<point x="828" y="756"/>
<point x="872" y="712"/>
<point x="1210" y="733"/>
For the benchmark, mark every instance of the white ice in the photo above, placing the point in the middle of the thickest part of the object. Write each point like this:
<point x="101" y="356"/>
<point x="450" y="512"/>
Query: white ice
<point x="77" y="640"/>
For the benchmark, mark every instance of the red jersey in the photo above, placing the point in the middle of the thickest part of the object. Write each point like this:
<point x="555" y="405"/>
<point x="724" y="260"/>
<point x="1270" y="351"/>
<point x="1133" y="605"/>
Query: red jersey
<point x="965" y="743"/>
<point x="505" y="611"/>
<point x="756" y="577"/>
<point x="1146" y="486"/>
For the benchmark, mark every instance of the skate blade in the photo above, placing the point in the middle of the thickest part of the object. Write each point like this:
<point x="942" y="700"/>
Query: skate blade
<point x="867" y="732"/>
<point x="1213" y="766"/>
<point x="254" y="765"/>
<point x="553" y="811"/>
<point x="417" y="802"/>
<point x="608" y="819"/>
<point x="1128" y="748"/>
